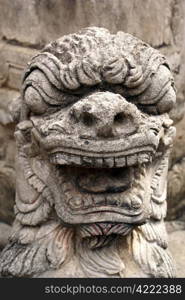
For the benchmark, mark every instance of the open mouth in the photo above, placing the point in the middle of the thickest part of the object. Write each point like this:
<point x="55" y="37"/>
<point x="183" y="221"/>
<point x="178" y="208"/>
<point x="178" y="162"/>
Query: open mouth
<point x="100" y="190"/>
<point x="108" y="181"/>
<point x="88" y="188"/>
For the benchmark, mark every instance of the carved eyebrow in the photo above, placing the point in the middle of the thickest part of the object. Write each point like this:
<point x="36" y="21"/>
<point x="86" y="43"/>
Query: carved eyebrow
<point x="75" y="77"/>
<point x="49" y="93"/>
<point x="49" y="65"/>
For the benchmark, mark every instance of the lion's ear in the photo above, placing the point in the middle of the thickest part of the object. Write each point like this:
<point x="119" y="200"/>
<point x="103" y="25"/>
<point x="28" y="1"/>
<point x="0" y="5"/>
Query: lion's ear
<point x="15" y="109"/>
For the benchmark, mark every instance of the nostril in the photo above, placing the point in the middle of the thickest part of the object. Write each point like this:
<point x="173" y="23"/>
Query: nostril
<point x="88" y="119"/>
<point x="73" y="116"/>
<point x="119" y="118"/>
<point x="155" y="131"/>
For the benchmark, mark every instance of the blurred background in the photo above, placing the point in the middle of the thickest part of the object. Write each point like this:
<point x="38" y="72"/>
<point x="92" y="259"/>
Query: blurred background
<point x="27" y="25"/>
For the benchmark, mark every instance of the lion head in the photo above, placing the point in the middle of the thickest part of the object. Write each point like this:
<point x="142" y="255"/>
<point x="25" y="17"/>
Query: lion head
<point x="93" y="140"/>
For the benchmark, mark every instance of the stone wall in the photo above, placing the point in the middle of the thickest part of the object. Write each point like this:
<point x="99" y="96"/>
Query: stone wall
<point x="26" y="26"/>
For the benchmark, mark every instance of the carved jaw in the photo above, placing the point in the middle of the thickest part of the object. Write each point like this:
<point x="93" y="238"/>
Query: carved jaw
<point x="99" y="191"/>
<point x="97" y="194"/>
<point x="102" y="194"/>
<point x="114" y="198"/>
<point x="100" y="148"/>
<point x="104" y="202"/>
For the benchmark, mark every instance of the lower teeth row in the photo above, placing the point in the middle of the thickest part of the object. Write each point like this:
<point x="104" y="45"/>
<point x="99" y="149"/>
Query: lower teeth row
<point x="114" y="201"/>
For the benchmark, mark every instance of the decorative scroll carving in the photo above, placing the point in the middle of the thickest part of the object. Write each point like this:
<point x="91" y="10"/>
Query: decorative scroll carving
<point x="93" y="141"/>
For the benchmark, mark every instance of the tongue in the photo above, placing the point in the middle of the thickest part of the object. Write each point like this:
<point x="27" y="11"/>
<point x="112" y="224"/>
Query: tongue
<point x="105" y="181"/>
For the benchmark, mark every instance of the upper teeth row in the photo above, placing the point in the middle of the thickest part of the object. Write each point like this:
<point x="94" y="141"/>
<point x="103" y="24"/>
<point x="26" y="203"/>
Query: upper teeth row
<point x="111" y="162"/>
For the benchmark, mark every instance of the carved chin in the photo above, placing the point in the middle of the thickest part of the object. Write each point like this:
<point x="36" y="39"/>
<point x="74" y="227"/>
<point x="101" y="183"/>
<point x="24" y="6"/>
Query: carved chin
<point x="107" y="200"/>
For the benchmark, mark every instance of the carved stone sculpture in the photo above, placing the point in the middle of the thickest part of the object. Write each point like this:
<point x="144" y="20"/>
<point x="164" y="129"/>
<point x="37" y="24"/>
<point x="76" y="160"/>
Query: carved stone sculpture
<point x="93" y="141"/>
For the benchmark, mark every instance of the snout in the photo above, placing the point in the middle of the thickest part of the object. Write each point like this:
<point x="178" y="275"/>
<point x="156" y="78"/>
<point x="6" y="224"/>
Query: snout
<point x="105" y="115"/>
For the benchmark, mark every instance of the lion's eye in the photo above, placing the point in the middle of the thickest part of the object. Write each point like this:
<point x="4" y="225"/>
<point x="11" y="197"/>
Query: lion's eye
<point x="34" y="101"/>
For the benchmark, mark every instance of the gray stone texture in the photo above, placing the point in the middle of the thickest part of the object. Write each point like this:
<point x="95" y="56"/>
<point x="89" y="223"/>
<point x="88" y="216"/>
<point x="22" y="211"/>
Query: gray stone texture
<point x="5" y="231"/>
<point x="176" y="245"/>
<point x="26" y="26"/>
<point x="93" y="139"/>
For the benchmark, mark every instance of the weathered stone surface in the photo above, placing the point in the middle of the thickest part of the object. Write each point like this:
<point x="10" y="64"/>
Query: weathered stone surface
<point x="7" y="183"/>
<point x="5" y="231"/>
<point x="7" y="157"/>
<point x="6" y="98"/>
<point x="48" y="20"/>
<point x="176" y="240"/>
<point x="25" y="26"/>
<point x="93" y="141"/>
<point x="176" y="246"/>
<point x="19" y="21"/>
<point x="13" y="62"/>
<point x="176" y="175"/>
<point x="7" y="173"/>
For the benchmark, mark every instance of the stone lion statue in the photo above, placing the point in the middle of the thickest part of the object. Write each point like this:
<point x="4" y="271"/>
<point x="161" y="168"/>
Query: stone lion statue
<point x="93" y="140"/>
